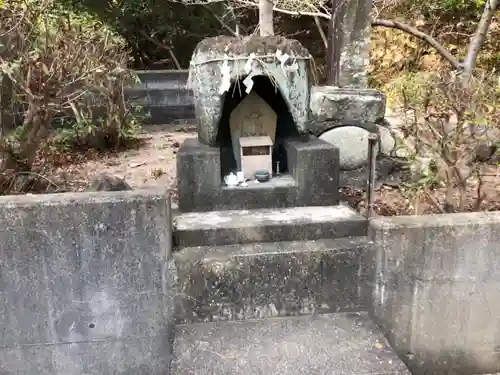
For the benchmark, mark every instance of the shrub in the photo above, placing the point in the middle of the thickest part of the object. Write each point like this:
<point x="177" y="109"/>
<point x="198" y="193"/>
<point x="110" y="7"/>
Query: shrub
<point x="456" y="130"/>
<point x="66" y="67"/>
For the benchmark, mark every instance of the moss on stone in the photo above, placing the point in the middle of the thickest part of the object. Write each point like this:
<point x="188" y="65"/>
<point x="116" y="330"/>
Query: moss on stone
<point x="243" y="46"/>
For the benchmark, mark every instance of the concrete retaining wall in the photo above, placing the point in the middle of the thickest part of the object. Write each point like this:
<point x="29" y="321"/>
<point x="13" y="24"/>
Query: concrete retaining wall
<point x="163" y="94"/>
<point x="85" y="286"/>
<point x="437" y="290"/>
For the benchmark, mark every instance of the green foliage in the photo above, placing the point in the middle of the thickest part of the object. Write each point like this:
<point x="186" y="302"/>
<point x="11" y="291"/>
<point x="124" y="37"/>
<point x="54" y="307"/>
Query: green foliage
<point x="153" y="29"/>
<point x="461" y="5"/>
<point x="448" y="127"/>
<point x="84" y="133"/>
<point x="63" y="65"/>
<point x="442" y="9"/>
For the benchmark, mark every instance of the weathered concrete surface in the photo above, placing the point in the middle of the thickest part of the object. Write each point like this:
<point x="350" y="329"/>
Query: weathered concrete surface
<point x="199" y="176"/>
<point x="267" y="225"/>
<point x="163" y="94"/>
<point x="436" y="290"/>
<point x="345" y="106"/>
<point x="314" y="166"/>
<point x="85" y="284"/>
<point x="213" y="56"/>
<point x="163" y="79"/>
<point x="263" y="280"/>
<point x="341" y="344"/>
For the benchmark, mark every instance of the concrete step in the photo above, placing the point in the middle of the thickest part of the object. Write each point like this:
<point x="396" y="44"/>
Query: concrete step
<point x="336" y="344"/>
<point x="267" y="225"/>
<point x="236" y="282"/>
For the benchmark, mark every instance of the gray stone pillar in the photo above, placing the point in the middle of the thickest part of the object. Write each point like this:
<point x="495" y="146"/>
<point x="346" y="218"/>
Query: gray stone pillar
<point x="355" y="48"/>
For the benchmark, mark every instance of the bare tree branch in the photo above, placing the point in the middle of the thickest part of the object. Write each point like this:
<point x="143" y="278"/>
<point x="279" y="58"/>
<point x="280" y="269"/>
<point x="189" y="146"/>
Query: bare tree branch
<point x="221" y="21"/>
<point x="421" y="35"/>
<point x="321" y="32"/>
<point x="162" y="45"/>
<point x="383" y="23"/>
<point x="290" y="12"/>
<point x="478" y="39"/>
<point x="316" y="11"/>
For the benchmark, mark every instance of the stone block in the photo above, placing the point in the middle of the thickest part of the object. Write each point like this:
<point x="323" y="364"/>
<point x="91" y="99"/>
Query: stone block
<point x="200" y="185"/>
<point x="267" y="225"/>
<point x="163" y="96"/>
<point x="262" y="280"/>
<point x="343" y="344"/>
<point x="199" y="178"/>
<point x="332" y="106"/>
<point x="314" y="165"/>
<point x="442" y="327"/>
<point x="84" y="268"/>
<point x="312" y="179"/>
<point x="279" y="192"/>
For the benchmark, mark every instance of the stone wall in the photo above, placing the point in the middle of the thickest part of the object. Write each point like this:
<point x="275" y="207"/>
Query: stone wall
<point x="85" y="285"/>
<point x="437" y="289"/>
<point x="163" y="94"/>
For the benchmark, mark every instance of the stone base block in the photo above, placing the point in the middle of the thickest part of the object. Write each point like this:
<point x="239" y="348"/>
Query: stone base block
<point x="333" y="106"/>
<point x="277" y="279"/>
<point x="312" y="179"/>
<point x="199" y="180"/>
<point x="267" y="225"/>
<point x="314" y="165"/>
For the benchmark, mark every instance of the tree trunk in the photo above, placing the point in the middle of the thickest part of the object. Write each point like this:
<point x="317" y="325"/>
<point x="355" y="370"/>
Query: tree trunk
<point x="478" y="40"/>
<point x="335" y="36"/>
<point x="266" y="22"/>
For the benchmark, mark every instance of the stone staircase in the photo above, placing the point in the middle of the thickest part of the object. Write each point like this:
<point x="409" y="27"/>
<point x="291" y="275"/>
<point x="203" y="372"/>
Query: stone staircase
<point x="276" y="291"/>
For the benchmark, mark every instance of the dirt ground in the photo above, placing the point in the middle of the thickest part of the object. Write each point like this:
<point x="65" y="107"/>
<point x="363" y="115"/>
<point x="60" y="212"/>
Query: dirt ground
<point x="153" y="163"/>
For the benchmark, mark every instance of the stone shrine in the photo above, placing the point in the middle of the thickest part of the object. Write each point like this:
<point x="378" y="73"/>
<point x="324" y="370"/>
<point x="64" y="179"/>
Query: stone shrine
<point x="251" y="249"/>
<point x="254" y="86"/>
<point x="251" y="117"/>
